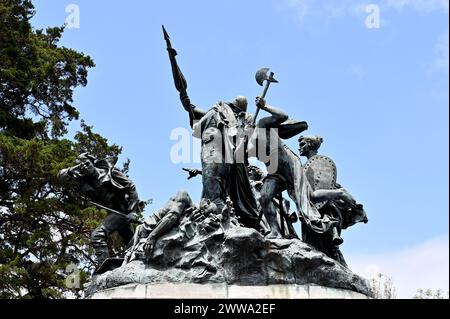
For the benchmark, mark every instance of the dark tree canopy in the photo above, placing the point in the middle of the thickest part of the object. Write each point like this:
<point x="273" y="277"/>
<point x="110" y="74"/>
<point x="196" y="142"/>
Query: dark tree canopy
<point x="37" y="77"/>
<point x="43" y="228"/>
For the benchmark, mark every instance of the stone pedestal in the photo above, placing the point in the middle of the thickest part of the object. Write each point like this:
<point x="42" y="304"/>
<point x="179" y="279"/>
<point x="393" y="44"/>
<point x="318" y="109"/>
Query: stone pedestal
<point x="224" y="291"/>
<point x="230" y="262"/>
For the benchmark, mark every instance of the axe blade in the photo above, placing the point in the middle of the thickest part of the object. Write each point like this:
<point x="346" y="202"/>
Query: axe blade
<point x="262" y="75"/>
<point x="272" y="79"/>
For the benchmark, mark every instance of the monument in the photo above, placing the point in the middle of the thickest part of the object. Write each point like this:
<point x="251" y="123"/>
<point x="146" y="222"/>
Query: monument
<point x="238" y="241"/>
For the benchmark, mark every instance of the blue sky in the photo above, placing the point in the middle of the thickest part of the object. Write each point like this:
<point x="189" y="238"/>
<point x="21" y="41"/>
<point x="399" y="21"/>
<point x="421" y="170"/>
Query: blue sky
<point x="378" y="97"/>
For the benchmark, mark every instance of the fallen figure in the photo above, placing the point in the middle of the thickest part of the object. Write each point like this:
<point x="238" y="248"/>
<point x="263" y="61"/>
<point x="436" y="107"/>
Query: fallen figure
<point x="206" y="216"/>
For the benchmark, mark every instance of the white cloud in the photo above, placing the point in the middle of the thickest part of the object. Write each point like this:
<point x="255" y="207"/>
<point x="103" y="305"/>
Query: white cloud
<point x="328" y="9"/>
<point x="423" y="266"/>
<point x="425" y="6"/>
<point x="441" y="54"/>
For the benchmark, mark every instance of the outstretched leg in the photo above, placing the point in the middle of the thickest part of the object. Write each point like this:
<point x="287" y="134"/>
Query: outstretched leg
<point x="110" y="224"/>
<point x="99" y="239"/>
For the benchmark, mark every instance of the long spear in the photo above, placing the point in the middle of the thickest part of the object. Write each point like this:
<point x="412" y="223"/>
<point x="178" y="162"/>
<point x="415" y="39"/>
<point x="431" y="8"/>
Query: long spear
<point x="178" y="77"/>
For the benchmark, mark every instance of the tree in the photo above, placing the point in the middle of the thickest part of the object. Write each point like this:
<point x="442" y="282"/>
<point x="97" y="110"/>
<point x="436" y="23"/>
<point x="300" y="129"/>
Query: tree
<point x="383" y="287"/>
<point x="43" y="228"/>
<point x="430" y="294"/>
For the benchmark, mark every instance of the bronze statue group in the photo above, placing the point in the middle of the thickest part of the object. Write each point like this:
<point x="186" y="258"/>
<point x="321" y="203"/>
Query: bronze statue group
<point x="233" y="190"/>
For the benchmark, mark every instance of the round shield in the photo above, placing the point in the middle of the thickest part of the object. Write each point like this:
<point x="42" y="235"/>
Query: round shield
<point x="321" y="173"/>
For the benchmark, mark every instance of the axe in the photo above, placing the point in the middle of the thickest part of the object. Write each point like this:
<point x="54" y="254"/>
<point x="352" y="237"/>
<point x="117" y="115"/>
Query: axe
<point x="261" y="76"/>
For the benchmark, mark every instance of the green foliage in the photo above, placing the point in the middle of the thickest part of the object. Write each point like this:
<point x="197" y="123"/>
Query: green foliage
<point x="43" y="228"/>
<point x="37" y="77"/>
<point x="88" y="141"/>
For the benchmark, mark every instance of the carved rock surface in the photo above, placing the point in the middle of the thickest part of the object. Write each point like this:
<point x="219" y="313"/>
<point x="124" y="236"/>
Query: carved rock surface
<point x="234" y="255"/>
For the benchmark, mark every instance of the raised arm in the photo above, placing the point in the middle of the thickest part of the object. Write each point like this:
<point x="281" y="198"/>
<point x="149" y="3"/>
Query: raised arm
<point x="277" y="116"/>
<point x="195" y="114"/>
